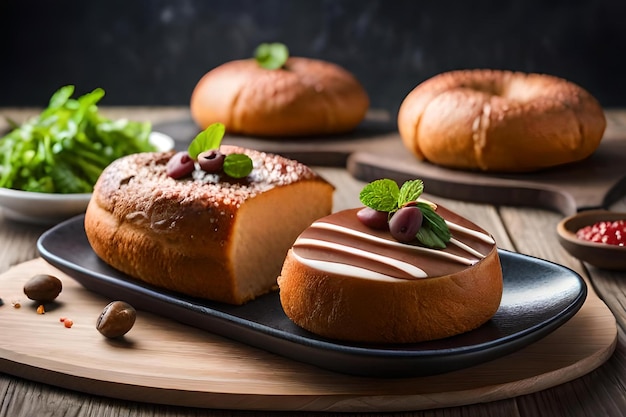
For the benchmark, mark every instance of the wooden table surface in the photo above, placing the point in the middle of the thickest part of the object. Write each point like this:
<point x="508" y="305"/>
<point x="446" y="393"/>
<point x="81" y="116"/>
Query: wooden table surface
<point x="530" y="231"/>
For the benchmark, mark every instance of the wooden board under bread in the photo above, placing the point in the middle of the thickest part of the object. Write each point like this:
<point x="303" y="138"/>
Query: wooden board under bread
<point x="375" y="150"/>
<point x="162" y="361"/>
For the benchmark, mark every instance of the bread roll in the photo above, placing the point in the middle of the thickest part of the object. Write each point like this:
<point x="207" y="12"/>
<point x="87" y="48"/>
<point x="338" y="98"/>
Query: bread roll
<point x="305" y="97"/>
<point x="500" y="121"/>
<point x="208" y="236"/>
<point x="346" y="281"/>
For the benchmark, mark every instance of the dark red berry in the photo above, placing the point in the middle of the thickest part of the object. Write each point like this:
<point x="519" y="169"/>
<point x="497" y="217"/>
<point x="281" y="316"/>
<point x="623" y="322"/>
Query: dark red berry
<point x="405" y="223"/>
<point x="211" y="161"/>
<point x="180" y="165"/>
<point x="373" y="218"/>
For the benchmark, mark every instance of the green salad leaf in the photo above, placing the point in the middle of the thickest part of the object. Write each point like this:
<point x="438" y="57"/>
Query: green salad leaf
<point x="65" y="148"/>
<point x="271" y="55"/>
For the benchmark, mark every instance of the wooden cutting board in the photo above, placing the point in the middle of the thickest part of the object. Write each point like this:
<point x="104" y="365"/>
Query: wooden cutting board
<point x="596" y="182"/>
<point x="375" y="150"/>
<point x="162" y="361"/>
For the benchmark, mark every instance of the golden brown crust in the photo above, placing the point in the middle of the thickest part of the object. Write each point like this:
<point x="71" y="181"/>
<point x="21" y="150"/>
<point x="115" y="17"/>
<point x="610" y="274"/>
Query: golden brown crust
<point x="500" y="121"/>
<point x="207" y="237"/>
<point x="306" y="97"/>
<point x="406" y="311"/>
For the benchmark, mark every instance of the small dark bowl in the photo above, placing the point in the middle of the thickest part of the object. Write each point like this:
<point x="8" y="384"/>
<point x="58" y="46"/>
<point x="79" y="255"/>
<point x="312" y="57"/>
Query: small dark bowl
<point x="600" y="255"/>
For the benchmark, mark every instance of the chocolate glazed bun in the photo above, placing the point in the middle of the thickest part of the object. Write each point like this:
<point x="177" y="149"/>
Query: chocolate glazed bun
<point x="500" y="121"/>
<point x="343" y="280"/>
<point x="305" y="97"/>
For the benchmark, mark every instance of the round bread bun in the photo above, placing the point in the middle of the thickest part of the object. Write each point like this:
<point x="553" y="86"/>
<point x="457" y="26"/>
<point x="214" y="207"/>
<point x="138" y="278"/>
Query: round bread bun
<point x="304" y="97"/>
<point x="351" y="295"/>
<point x="500" y="121"/>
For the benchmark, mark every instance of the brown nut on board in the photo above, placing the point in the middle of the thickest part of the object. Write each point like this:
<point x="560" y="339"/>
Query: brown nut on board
<point x="117" y="318"/>
<point x="43" y="288"/>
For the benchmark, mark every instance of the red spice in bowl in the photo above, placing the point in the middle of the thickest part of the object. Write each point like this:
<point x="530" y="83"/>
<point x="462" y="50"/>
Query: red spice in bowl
<point x="578" y="234"/>
<point x="611" y="233"/>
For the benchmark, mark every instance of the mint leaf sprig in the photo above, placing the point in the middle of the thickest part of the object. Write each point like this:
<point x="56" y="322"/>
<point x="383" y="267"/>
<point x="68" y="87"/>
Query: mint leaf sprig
<point x="385" y="195"/>
<point x="236" y="165"/>
<point x="271" y="55"/>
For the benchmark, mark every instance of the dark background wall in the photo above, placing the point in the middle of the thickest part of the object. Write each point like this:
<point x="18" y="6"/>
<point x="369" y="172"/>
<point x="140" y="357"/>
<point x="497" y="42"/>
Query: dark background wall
<point x="153" y="52"/>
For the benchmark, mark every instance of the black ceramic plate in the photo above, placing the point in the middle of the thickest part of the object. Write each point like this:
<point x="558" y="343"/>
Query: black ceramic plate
<point x="539" y="296"/>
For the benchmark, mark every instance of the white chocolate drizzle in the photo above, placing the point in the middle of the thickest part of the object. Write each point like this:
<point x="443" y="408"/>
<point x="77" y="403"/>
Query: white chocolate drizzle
<point x="403" y="266"/>
<point x="366" y="236"/>
<point x="334" y="267"/>
<point x="344" y="269"/>
<point x="478" y="235"/>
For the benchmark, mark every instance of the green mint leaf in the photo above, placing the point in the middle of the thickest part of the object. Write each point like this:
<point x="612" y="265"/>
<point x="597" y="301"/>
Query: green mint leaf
<point x="271" y="55"/>
<point x="237" y="165"/>
<point x="209" y="138"/>
<point x="429" y="238"/>
<point x="410" y="191"/>
<point x="435" y="229"/>
<point x="381" y="195"/>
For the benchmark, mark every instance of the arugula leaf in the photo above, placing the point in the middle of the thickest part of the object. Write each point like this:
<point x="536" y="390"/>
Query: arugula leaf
<point x="60" y="97"/>
<point x="65" y="148"/>
<point x="271" y="55"/>
<point x="67" y="177"/>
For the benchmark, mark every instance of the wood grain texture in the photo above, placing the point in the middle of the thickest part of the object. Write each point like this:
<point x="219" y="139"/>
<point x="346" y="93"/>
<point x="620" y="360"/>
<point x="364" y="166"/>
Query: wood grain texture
<point x="166" y="362"/>
<point x="596" y="182"/>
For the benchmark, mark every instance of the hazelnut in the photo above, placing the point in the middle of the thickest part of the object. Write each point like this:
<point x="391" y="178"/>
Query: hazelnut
<point x="43" y="288"/>
<point x="117" y="318"/>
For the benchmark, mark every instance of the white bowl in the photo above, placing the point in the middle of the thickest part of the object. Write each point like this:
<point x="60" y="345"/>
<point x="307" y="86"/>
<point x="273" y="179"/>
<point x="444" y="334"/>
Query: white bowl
<point x="50" y="208"/>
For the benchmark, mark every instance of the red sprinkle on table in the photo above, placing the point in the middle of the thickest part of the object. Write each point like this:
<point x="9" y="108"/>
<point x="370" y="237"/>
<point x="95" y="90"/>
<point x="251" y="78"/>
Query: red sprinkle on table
<point x="612" y="233"/>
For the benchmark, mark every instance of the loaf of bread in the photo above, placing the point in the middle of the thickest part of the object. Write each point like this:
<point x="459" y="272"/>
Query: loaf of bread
<point x="344" y="280"/>
<point x="500" y="121"/>
<point x="206" y="236"/>
<point x="306" y="97"/>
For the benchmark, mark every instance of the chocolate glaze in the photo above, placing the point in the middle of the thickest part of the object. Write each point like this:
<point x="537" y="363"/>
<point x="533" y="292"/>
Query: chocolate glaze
<point x="340" y="249"/>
